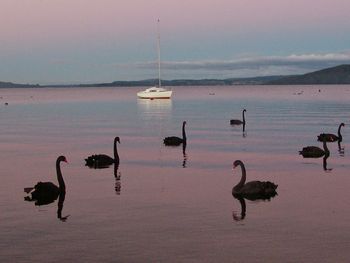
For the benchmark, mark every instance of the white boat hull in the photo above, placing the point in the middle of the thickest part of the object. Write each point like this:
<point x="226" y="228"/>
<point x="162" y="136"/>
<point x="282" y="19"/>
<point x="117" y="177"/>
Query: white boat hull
<point x="155" y="95"/>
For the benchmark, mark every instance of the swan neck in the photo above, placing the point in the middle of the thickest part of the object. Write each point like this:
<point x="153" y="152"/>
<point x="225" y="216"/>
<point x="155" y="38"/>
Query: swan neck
<point x="243" y="117"/>
<point x="325" y="148"/>
<point x="243" y="177"/>
<point x="184" y="132"/>
<point x="60" y="180"/>
<point x="116" y="155"/>
<point x="339" y="134"/>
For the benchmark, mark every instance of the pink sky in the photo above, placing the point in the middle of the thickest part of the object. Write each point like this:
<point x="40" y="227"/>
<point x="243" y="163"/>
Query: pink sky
<point x="224" y="28"/>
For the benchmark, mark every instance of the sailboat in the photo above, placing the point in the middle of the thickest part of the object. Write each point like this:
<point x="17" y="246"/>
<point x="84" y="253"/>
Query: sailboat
<point x="156" y="92"/>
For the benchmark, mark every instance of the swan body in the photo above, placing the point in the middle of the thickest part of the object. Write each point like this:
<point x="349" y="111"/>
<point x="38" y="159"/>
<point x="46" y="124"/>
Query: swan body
<point x="176" y="141"/>
<point x="103" y="160"/>
<point x="314" y="151"/>
<point x="239" y="122"/>
<point x="254" y="189"/>
<point x="331" y="137"/>
<point x="47" y="192"/>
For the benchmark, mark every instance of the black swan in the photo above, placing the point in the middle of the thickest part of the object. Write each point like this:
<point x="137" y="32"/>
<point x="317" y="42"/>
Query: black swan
<point x="314" y="151"/>
<point x="331" y="137"/>
<point x="176" y="141"/>
<point x="103" y="160"/>
<point x="239" y="122"/>
<point x="252" y="190"/>
<point x="47" y="192"/>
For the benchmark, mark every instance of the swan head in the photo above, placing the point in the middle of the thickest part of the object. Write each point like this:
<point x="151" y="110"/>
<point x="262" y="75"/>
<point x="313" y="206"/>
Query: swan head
<point x="117" y="139"/>
<point x="62" y="159"/>
<point x="184" y="123"/>
<point x="342" y="124"/>
<point x="244" y="110"/>
<point x="236" y="163"/>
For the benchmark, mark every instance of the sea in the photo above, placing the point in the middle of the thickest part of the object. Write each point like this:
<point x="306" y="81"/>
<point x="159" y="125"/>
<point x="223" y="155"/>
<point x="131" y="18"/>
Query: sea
<point x="175" y="204"/>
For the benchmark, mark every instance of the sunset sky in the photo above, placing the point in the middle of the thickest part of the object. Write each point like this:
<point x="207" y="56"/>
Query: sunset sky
<point x="75" y="41"/>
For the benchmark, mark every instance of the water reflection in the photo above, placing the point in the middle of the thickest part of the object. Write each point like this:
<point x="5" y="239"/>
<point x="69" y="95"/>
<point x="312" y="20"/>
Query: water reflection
<point x="242" y="215"/>
<point x="325" y="164"/>
<point x="341" y="149"/>
<point x="60" y="207"/>
<point x="154" y="108"/>
<point x="117" y="176"/>
<point x="244" y="131"/>
<point x="48" y="200"/>
<point x="184" y="163"/>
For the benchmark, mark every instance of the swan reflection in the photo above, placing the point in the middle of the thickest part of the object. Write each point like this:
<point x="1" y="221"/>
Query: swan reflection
<point x="45" y="201"/>
<point x="184" y="162"/>
<point x="341" y="149"/>
<point x="244" y="131"/>
<point x="117" y="176"/>
<point x="240" y="217"/>
<point x="325" y="164"/>
<point x="61" y="199"/>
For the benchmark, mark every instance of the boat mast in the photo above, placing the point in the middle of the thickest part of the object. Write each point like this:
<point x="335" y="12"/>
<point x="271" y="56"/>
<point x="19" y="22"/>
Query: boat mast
<point x="158" y="49"/>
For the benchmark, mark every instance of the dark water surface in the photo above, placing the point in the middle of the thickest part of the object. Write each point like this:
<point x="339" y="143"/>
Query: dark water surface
<point x="163" y="205"/>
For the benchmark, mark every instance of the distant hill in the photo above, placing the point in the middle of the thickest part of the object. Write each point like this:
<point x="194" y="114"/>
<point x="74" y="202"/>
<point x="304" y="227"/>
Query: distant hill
<point x="14" y="85"/>
<point x="335" y="75"/>
<point x="187" y="82"/>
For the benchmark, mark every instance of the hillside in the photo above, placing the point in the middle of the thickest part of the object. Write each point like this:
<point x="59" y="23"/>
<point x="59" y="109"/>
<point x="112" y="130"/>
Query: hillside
<point x="14" y="85"/>
<point x="335" y="75"/>
<point x="186" y="82"/>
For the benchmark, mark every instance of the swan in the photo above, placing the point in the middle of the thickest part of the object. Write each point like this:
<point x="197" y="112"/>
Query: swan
<point x="331" y="137"/>
<point x="176" y="141"/>
<point x="47" y="192"/>
<point x="103" y="160"/>
<point x="239" y="122"/>
<point x="314" y="151"/>
<point x="252" y="190"/>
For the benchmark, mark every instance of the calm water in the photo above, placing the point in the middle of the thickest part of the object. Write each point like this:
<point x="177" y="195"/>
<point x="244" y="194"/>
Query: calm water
<point x="166" y="206"/>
